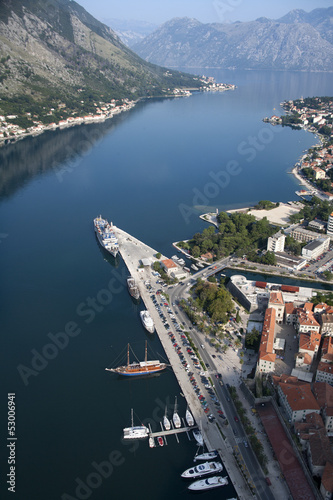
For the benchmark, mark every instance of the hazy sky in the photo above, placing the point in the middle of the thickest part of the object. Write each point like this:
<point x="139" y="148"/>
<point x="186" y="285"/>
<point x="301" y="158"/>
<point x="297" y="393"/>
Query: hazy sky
<point x="158" y="12"/>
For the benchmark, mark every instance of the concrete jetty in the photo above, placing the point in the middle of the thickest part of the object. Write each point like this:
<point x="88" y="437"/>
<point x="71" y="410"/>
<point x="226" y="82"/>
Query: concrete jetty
<point x="135" y="255"/>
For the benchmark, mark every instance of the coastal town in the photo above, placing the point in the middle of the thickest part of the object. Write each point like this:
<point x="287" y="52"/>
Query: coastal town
<point x="265" y="383"/>
<point x="273" y="355"/>
<point x="11" y="130"/>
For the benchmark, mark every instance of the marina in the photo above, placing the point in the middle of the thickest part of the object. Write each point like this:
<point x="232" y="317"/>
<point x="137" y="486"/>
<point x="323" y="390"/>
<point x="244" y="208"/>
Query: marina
<point x="134" y="254"/>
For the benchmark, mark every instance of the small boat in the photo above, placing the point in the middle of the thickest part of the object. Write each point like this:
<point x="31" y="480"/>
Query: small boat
<point x="160" y="441"/>
<point x="133" y="288"/>
<point x="209" y="455"/>
<point x="198" y="437"/>
<point x="136" y="432"/>
<point x="147" y="321"/>
<point x="151" y="442"/>
<point x="166" y="421"/>
<point x="194" y="267"/>
<point x="208" y="484"/>
<point x="175" y="417"/>
<point x="181" y="262"/>
<point x="202" y="470"/>
<point x="189" y="418"/>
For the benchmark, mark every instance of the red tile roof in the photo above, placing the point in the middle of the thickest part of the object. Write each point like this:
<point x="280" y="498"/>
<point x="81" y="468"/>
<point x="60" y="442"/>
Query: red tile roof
<point x="299" y="396"/>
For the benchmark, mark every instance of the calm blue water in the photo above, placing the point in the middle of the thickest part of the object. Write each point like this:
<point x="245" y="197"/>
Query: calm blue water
<point x="151" y="171"/>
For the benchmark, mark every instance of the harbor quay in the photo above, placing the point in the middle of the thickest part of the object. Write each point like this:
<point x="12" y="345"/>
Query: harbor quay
<point x="139" y="258"/>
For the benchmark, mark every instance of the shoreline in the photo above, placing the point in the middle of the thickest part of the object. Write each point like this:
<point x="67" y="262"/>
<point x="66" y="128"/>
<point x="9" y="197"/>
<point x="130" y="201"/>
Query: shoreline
<point x="100" y="118"/>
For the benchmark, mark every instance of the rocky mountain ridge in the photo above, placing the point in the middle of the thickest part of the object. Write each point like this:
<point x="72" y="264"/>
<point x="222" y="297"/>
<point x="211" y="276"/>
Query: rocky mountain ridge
<point x="54" y="51"/>
<point x="298" y="41"/>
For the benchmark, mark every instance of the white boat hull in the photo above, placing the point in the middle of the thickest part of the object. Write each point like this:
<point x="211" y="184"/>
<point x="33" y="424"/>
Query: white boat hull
<point x="208" y="484"/>
<point x="202" y="470"/>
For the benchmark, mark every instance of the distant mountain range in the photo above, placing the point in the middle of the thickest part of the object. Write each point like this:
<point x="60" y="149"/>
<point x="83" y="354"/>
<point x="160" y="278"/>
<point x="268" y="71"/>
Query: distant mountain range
<point x="297" y="41"/>
<point x="55" y="52"/>
<point x="130" y="32"/>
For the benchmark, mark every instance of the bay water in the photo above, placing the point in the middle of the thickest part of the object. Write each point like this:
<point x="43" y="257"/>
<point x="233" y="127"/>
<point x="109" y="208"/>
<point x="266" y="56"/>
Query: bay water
<point x="151" y="171"/>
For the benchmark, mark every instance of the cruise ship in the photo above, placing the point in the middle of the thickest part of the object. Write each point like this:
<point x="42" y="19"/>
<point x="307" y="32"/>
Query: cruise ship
<point x="106" y="236"/>
<point x="138" y="368"/>
<point x="147" y="321"/>
<point x="133" y="288"/>
<point x="136" y="432"/>
<point x="208" y="484"/>
<point x="202" y="470"/>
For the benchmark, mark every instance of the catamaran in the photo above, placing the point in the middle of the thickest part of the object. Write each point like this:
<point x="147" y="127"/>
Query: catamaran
<point x="138" y="367"/>
<point x="208" y="484"/>
<point x="136" y="432"/>
<point x="175" y="417"/>
<point x="166" y="421"/>
<point x="202" y="470"/>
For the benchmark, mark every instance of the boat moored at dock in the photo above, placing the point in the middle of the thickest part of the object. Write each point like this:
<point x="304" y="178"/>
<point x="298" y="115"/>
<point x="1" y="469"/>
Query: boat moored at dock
<point x="147" y="321"/>
<point x="202" y="470"/>
<point x="189" y="418"/>
<point x="208" y="484"/>
<point x="175" y="417"/>
<point x="106" y="236"/>
<point x="138" y="368"/>
<point x="198" y="437"/>
<point x="133" y="288"/>
<point x="209" y="455"/>
<point x="166" y="421"/>
<point x="136" y="432"/>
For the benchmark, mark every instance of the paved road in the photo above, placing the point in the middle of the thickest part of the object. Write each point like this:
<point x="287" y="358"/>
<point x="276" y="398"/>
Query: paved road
<point x="237" y="436"/>
<point x="132" y="251"/>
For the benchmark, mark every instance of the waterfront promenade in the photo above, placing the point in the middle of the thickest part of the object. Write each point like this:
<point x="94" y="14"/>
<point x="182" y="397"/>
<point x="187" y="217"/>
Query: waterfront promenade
<point x="133" y="251"/>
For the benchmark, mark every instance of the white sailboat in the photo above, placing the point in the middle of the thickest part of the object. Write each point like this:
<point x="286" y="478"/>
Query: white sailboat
<point x="166" y="421"/>
<point x="175" y="417"/>
<point x="189" y="418"/>
<point x="198" y="437"/>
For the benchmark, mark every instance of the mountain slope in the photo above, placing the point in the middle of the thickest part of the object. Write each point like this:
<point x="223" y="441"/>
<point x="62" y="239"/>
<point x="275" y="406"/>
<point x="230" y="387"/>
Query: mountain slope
<point x="54" y="49"/>
<point x="299" y="41"/>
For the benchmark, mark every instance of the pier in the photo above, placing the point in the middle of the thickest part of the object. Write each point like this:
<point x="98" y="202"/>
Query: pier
<point x="172" y="431"/>
<point x="139" y="258"/>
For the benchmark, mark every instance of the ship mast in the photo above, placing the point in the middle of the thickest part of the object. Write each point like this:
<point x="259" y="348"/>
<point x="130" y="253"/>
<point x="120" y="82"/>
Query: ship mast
<point x="127" y="354"/>
<point x="146" y="353"/>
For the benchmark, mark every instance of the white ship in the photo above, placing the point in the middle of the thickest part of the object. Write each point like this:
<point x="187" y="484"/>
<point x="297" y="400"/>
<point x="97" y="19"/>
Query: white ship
<point x="136" y="432"/>
<point x="166" y="421"/>
<point x="189" y="418"/>
<point x="175" y="417"/>
<point x="198" y="437"/>
<point x="209" y="455"/>
<point x="208" y="484"/>
<point x="194" y="267"/>
<point x="147" y="321"/>
<point x="202" y="470"/>
<point x="106" y="236"/>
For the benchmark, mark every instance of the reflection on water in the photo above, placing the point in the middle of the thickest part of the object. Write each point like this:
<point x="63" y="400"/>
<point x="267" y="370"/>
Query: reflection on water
<point x="59" y="150"/>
